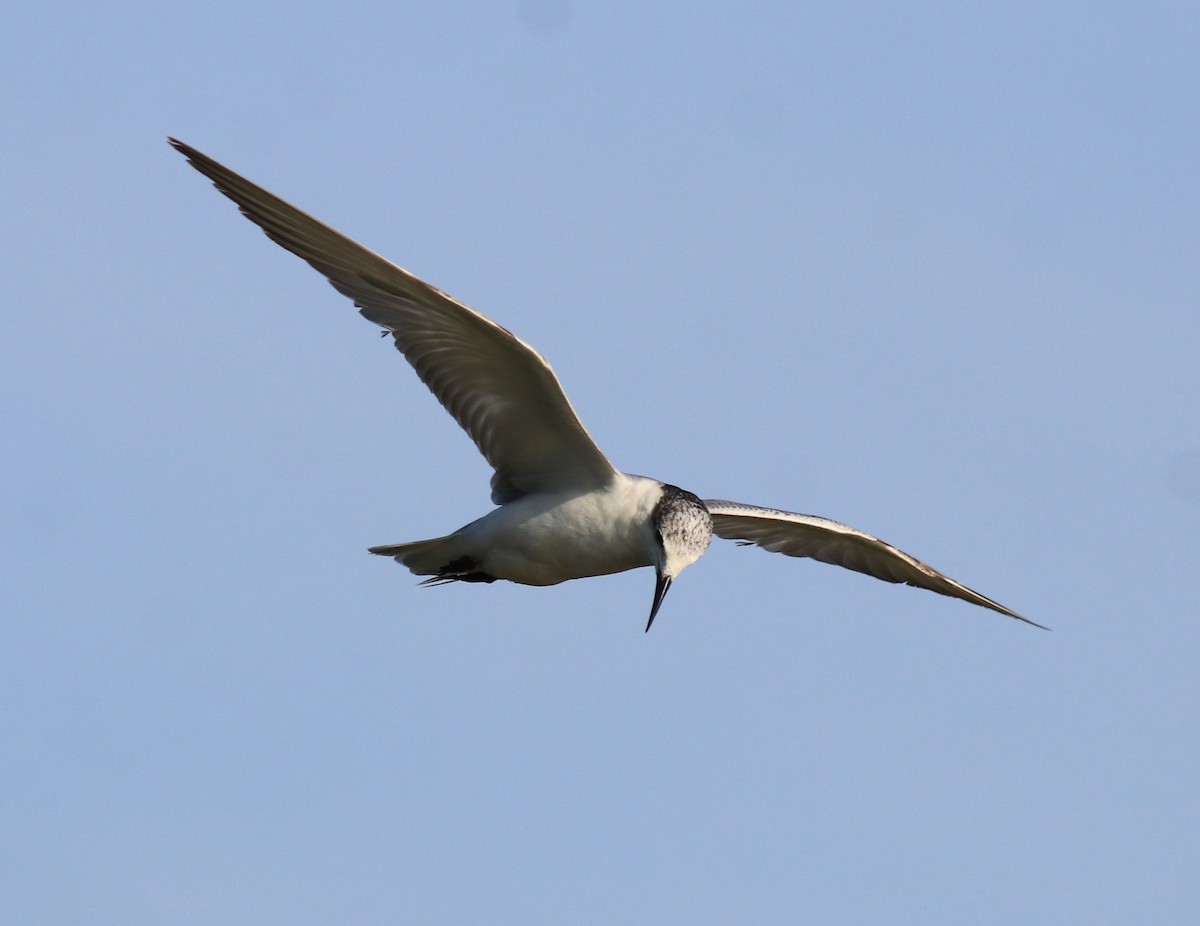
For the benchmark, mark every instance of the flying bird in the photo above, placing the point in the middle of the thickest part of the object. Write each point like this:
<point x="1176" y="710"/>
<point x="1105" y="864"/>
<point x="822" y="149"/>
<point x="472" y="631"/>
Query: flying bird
<point x="563" y="510"/>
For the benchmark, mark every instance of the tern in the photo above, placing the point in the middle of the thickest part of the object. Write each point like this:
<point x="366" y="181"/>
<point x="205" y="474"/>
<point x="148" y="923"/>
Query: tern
<point x="563" y="510"/>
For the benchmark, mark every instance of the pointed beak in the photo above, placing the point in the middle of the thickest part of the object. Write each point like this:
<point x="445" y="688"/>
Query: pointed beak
<point x="661" y="584"/>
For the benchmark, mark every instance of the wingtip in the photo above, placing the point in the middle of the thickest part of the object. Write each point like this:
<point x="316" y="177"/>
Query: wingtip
<point x="195" y="158"/>
<point x="1013" y="614"/>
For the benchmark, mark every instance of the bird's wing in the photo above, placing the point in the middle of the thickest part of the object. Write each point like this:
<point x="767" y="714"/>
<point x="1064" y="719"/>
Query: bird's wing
<point x="498" y="388"/>
<point x="838" y="544"/>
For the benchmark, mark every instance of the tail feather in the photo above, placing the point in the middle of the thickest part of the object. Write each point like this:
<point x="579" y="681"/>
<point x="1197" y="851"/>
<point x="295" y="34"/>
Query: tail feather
<point x="441" y="558"/>
<point x="422" y="557"/>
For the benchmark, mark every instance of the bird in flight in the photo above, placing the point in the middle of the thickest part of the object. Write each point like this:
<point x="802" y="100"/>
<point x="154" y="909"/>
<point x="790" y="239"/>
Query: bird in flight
<point x="563" y="510"/>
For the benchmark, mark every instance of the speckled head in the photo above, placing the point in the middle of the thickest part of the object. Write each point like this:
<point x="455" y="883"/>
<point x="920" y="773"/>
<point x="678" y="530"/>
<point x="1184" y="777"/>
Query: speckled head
<point x="683" y="529"/>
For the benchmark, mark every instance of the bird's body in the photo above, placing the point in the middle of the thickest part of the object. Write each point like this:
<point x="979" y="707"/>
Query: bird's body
<point x="547" y="537"/>
<point x="564" y="512"/>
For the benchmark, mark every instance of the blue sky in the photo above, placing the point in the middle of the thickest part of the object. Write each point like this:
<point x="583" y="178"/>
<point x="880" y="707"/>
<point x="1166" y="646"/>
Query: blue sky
<point x="929" y="269"/>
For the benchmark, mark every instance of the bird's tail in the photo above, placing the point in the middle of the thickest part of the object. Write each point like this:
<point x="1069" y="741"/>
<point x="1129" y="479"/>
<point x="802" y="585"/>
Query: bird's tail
<point x="440" y="558"/>
<point x="422" y="557"/>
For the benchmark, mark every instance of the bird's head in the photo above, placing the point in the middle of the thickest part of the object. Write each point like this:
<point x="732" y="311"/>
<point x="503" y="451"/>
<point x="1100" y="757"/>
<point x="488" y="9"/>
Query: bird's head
<point x="682" y="531"/>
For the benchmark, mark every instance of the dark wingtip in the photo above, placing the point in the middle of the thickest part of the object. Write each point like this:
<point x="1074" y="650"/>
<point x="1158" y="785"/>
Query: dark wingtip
<point x="1009" y="613"/>
<point x="202" y="162"/>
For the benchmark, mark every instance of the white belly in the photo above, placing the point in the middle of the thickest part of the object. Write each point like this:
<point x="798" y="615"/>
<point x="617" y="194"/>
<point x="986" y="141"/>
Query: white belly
<point x="544" y="540"/>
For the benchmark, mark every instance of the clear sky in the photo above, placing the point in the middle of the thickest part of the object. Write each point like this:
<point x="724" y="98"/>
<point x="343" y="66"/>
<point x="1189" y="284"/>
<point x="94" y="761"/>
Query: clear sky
<point x="929" y="269"/>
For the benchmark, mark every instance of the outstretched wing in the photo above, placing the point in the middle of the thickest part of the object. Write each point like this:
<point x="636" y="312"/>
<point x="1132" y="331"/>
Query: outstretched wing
<point x="499" y="389"/>
<point x="838" y="544"/>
